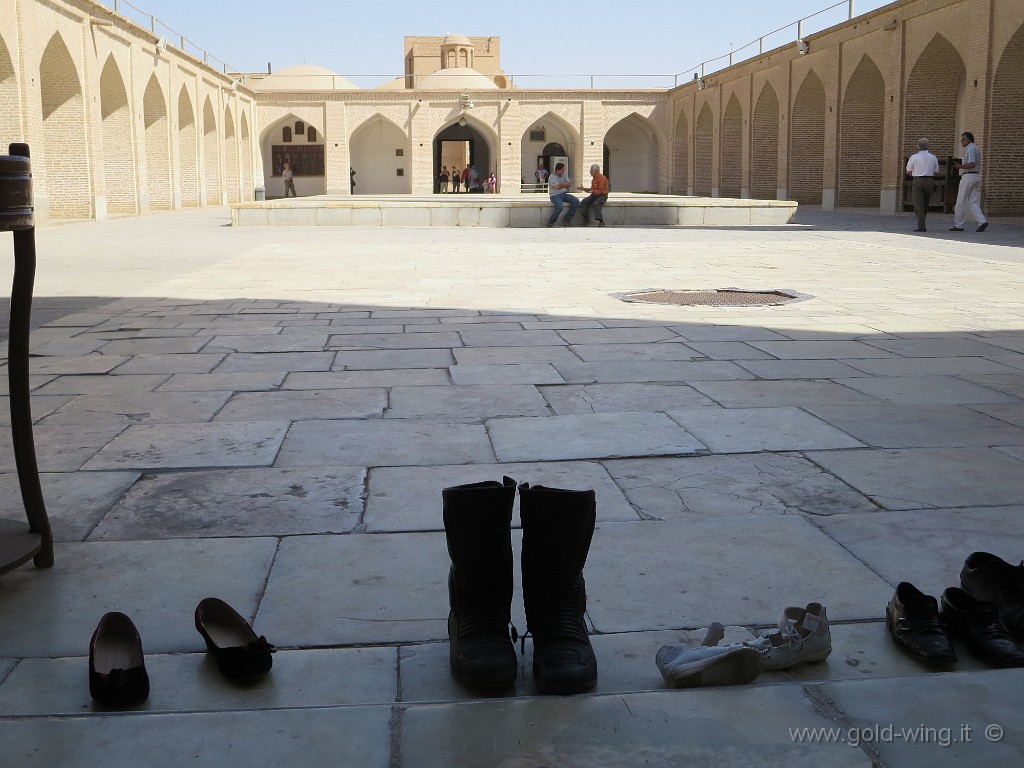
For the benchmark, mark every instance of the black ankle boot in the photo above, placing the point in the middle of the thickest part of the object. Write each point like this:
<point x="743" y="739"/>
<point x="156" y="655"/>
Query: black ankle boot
<point x="477" y="523"/>
<point x="558" y="526"/>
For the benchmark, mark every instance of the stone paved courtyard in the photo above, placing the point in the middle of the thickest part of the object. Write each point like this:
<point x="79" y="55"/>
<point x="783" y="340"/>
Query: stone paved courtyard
<point x="269" y="415"/>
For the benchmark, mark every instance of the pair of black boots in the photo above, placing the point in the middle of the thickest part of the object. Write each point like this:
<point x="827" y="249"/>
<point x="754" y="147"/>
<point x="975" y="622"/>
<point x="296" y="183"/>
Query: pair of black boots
<point x="558" y="526"/>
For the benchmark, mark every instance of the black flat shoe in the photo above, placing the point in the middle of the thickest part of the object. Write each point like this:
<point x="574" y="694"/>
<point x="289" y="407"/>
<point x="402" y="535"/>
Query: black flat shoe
<point x="239" y="653"/>
<point x="117" y="669"/>
<point x="978" y="623"/>
<point x="912" y="619"/>
<point x="991" y="579"/>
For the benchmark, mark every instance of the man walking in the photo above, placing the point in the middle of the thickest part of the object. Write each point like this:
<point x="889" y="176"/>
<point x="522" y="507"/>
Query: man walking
<point x="968" y="196"/>
<point x="558" y="186"/>
<point x="598" y="196"/>
<point x="922" y="167"/>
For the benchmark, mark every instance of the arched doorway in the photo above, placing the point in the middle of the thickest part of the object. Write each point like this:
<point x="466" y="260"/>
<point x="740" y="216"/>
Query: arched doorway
<point x="301" y="144"/>
<point x="10" y="101"/>
<point x="732" y="149"/>
<point x="1002" y="165"/>
<point x="934" y="90"/>
<point x="807" y="142"/>
<point x="466" y="145"/>
<point x="247" y="186"/>
<point x="188" y="150"/>
<point x="230" y="156"/>
<point x="764" y="146"/>
<point x="118" y="159"/>
<point x="64" y="140"/>
<point x="211" y="154"/>
<point x="680" y="148"/>
<point x="861" y="126"/>
<point x="545" y="139"/>
<point x="379" y="152"/>
<point x="703" y="151"/>
<point x="158" y="158"/>
<point x="631" y="155"/>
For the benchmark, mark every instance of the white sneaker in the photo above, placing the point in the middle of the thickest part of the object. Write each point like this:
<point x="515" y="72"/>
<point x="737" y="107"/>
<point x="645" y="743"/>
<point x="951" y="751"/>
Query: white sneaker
<point x="685" y="667"/>
<point x="803" y="636"/>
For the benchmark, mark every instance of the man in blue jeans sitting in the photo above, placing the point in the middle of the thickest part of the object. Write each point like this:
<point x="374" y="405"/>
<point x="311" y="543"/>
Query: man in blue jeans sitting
<point x="558" y="186"/>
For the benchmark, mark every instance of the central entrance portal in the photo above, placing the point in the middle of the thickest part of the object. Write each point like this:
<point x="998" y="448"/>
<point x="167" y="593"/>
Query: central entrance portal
<point x="459" y="146"/>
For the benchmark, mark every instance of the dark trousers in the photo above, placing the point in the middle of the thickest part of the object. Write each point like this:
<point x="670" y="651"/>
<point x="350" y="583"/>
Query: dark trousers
<point x="595" y="201"/>
<point x="922" y="194"/>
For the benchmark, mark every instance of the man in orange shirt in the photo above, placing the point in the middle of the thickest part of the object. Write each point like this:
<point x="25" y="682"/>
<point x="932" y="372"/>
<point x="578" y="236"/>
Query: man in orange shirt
<point x="598" y="190"/>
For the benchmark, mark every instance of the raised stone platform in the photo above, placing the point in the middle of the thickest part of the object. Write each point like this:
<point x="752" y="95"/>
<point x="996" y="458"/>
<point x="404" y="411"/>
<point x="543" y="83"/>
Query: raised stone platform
<point x="481" y="210"/>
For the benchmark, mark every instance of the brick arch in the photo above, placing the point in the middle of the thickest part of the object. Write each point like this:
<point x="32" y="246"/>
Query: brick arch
<point x="188" y="150"/>
<point x="246" y="146"/>
<point x="930" y="105"/>
<point x="10" y="99"/>
<point x="703" y="149"/>
<point x="64" y="140"/>
<point x="631" y="150"/>
<point x="861" y="133"/>
<point x="807" y="142"/>
<point x="118" y="154"/>
<point x="230" y="156"/>
<point x="732" y="149"/>
<point x="1002" y="161"/>
<point x="680" y="148"/>
<point x="764" y="146"/>
<point x="211" y="154"/>
<point x="157" y="141"/>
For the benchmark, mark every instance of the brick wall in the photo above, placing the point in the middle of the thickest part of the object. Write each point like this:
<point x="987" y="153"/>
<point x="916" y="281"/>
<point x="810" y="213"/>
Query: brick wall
<point x="10" y="103"/>
<point x="703" y="149"/>
<point x="118" y="158"/>
<point x="930" y="107"/>
<point x="1002" y="161"/>
<point x="861" y="135"/>
<point x="230" y="157"/>
<point x="764" y="146"/>
<point x="246" y="141"/>
<point x="680" y="146"/>
<point x="211" y="154"/>
<point x="732" y="149"/>
<point x="807" y="142"/>
<point x="188" y="159"/>
<point x="157" y="144"/>
<point x="64" y="139"/>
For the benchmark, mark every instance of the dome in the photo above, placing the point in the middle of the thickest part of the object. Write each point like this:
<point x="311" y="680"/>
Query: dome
<point x="456" y="40"/>
<point x="457" y="78"/>
<point x="305" y="77"/>
<point x="398" y="84"/>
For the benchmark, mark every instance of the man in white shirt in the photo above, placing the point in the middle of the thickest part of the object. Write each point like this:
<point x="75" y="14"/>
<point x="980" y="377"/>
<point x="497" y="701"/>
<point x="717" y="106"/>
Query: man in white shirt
<point x="923" y="167"/>
<point x="969" y="193"/>
<point x="558" y="186"/>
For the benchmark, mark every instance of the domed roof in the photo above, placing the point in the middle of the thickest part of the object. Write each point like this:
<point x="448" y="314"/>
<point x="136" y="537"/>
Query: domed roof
<point x="398" y="84"/>
<point x="455" y="78"/>
<point x="456" y="40"/>
<point x="305" y="77"/>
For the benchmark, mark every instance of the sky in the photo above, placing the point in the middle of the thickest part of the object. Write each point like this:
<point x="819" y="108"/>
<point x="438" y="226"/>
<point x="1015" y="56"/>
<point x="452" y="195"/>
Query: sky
<point x="543" y="44"/>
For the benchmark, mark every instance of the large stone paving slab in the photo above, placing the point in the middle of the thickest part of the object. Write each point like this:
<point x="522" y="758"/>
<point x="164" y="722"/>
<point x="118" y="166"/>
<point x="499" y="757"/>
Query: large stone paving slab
<point x="157" y="583"/>
<point x="409" y="498"/>
<point x="771" y="394"/>
<point x="368" y="588"/>
<point x="515" y="373"/>
<point x="470" y="401"/>
<point x="309" y="404"/>
<point x="726" y="728"/>
<point x="929" y="549"/>
<point x="169" y="446"/>
<point x="589" y="436"/>
<point x="140" y="408"/>
<point x="732" y="486"/>
<point x="208" y="740"/>
<point x="60" y="447"/>
<point x="923" y="426"/>
<point x="916" y="478"/>
<point x="245" y="502"/>
<point x="640" y="371"/>
<point x="611" y="398"/>
<point x="706" y="570"/>
<point x="599" y="353"/>
<point x="384" y="442"/>
<point x="927" y="390"/>
<point x="406" y="377"/>
<point x="743" y="430"/>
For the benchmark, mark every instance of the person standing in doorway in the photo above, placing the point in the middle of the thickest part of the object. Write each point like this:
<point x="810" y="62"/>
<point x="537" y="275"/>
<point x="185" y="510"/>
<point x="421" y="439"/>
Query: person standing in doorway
<point x="442" y="179"/>
<point x="922" y="167"/>
<point x="598" y="196"/>
<point x="288" y="177"/>
<point x="465" y="178"/>
<point x="541" y="174"/>
<point x="968" y="196"/>
<point x="455" y="179"/>
<point x="558" y="190"/>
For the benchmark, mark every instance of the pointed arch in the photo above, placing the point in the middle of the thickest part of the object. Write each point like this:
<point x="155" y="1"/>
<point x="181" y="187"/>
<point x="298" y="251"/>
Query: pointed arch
<point x="157" y="141"/>
<point x="934" y="91"/>
<point x="211" y="154"/>
<point x="306" y="157"/>
<point x="861" y="133"/>
<point x="764" y="146"/>
<point x="64" y="139"/>
<point x="479" y="145"/>
<point x="10" y="97"/>
<point x="732" y="149"/>
<point x="380" y="167"/>
<point x="230" y="156"/>
<point x="188" y="150"/>
<point x="680" y="150"/>
<point x="1002" y="161"/>
<point x="556" y="130"/>
<point x="632" y="147"/>
<point x="703" y="151"/>
<point x="246" y="147"/>
<point x="118" y="146"/>
<point x="807" y="142"/>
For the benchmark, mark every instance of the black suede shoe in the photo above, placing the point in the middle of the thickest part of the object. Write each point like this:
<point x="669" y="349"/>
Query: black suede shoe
<point x="978" y="623"/>
<point x="992" y="579"/>
<point x="239" y="653"/>
<point x="912" y="619"/>
<point x="117" y="669"/>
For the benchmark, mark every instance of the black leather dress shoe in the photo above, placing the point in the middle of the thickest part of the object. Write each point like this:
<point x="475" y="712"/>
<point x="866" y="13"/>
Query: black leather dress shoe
<point x="117" y="669"/>
<point x="912" y="619"/>
<point x="992" y="579"/>
<point x="978" y="623"/>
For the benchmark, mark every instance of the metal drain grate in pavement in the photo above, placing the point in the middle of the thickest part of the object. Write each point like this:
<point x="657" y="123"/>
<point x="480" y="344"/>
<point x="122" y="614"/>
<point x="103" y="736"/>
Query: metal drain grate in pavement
<point x="724" y="297"/>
